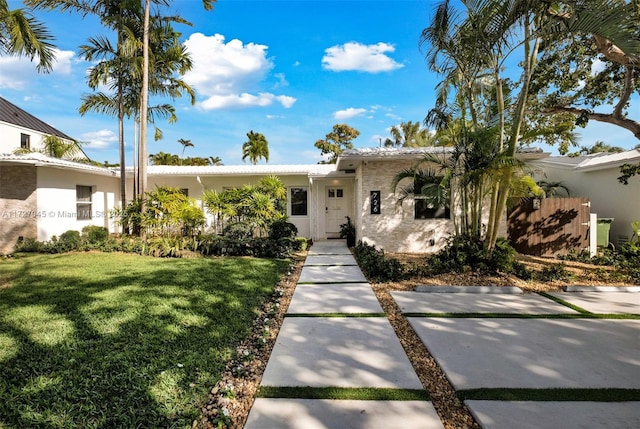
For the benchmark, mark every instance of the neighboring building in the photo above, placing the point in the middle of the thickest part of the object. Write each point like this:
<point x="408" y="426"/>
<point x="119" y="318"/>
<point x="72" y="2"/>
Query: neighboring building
<point x="21" y="130"/>
<point x="42" y="196"/>
<point x="595" y="177"/>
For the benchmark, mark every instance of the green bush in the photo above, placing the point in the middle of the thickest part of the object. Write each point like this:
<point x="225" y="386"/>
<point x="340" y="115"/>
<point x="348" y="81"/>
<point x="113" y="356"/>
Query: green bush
<point x="282" y="229"/>
<point x="554" y="272"/>
<point x="240" y="231"/>
<point x="68" y="241"/>
<point x="30" y="245"/>
<point x="464" y="253"/>
<point x="375" y="265"/>
<point x="94" y="234"/>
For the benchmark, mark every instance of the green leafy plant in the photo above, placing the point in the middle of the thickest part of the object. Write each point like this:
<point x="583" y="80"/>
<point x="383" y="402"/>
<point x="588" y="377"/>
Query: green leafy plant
<point x="376" y="265"/>
<point x="555" y="272"/>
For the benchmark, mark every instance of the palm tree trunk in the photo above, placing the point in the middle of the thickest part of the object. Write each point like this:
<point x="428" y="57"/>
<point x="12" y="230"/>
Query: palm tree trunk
<point x="144" y="99"/>
<point x="123" y="178"/>
<point x="531" y="55"/>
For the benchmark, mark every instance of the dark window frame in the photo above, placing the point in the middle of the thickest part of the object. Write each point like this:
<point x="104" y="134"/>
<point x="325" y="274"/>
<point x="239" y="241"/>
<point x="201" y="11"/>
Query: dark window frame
<point x="84" y="202"/>
<point x="25" y="141"/>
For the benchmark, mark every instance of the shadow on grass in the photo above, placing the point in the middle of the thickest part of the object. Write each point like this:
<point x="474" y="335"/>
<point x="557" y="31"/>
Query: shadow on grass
<point x="104" y="340"/>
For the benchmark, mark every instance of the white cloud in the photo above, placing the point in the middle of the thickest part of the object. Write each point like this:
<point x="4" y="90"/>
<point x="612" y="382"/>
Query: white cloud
<point x="101" y="139"/>
<point x="19" y="72"/>
<point x="245" y="100"/>
<point x="597" y="66"/>
<point x="349" y="113"/>
<point x="227" y="73"/>
<point x="355" y="56"/>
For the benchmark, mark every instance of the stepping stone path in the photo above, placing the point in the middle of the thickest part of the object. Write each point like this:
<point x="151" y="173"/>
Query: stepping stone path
<point x="488" y="341"/>
<point x="342" y="340"/>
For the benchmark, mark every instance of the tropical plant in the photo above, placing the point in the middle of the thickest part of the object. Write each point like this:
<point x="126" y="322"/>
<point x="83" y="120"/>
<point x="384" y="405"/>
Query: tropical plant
<point x="469" y="44"/>
<point x="163" y="158"/>
<point x="409" y="134"/>
<point x="21" y="34"/>
<point x="185" y="144"/>
<point x="554" y="189"/>
<point x="255" y="205"/>
<point x="336" y="142"/>
<point x="598" y="147"/>
<point x="255" y="148"/>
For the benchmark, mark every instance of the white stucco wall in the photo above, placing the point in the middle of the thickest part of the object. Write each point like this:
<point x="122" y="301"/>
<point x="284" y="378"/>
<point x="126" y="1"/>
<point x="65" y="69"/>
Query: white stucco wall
<point x="220" y="183"/>
<point x="56" y="196"/>
<point x="10" y="137"/>
<point x="609" y="198"/>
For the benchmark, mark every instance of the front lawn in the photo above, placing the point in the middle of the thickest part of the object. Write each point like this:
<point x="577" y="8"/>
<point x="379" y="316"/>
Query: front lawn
<point x="121" y="340"/>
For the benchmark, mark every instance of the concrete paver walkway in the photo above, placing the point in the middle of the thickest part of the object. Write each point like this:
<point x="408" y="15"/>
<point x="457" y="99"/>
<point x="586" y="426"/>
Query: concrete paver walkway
<point x="342" y="351"/>
<point x="500" y="347"/>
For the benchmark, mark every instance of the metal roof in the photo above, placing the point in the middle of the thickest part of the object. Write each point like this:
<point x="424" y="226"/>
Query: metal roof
<point x="597" y="161"/>
<point x="39" y="160"/>
<point x="238" y="170"/>
<point x="12" y="114"/>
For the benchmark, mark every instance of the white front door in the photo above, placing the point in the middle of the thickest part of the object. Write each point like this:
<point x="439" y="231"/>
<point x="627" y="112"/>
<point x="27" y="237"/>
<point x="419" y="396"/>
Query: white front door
<point x="335" y="210"/>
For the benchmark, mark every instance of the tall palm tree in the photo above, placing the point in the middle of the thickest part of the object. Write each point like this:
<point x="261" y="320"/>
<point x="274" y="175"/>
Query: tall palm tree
<point x="21" y="34"/>
<point x="409" y="134"/>
<point x="185" y="144"/>
<point x="255" y="148"/>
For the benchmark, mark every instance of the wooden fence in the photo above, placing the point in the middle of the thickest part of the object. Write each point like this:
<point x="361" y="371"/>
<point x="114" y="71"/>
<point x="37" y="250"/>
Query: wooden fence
<point x="549" y="226"/>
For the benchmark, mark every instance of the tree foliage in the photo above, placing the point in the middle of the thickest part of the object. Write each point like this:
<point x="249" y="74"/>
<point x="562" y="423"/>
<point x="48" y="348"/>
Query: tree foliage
<point x="255" y="148"/>
<point x="338" y="140"/>
<point x="409" y="134"/>
<point x="21" y="34"/>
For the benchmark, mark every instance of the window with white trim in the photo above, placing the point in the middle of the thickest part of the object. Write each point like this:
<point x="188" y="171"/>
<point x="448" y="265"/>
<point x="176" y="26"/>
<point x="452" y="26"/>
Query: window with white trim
<point x="83" y="202"/>
<point x="298" y="200"/>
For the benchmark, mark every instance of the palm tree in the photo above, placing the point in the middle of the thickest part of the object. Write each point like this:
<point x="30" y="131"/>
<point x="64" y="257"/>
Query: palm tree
<point x="162" y="158"/>
<point x="408" y="134"/>
<point x="21" y="34"/>
<point x="215" y="160"/>
<point x="472" y="43"/>
<point x="185" y="144"/>
<point x="255" y="148"/>
<point x="56" y="147"/>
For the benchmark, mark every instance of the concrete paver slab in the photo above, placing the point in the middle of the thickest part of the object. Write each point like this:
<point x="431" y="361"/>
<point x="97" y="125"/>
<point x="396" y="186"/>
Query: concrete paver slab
<point x="330" y="260"/>
<point x="339" y="352"/>
<point x="553" y="415"/>
<point x="333" y="247"/>
<point x="334" y="298"/>
<point x="332" y="274"/>
<point x="534" y="353"/>
<point x="579" y="288"/>
<point x="418" y="302"/>
<point x="469" y="289"/>
<point x="603" y="302"/>
<point x="330" y="414"/>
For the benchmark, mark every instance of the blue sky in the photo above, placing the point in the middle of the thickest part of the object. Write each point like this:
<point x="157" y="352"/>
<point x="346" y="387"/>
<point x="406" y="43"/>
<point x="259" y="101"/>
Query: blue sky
<point x="287" y="69"/>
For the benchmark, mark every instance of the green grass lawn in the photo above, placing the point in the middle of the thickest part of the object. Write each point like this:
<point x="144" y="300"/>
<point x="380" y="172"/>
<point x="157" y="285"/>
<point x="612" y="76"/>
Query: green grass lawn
<point x="119" y="340"/>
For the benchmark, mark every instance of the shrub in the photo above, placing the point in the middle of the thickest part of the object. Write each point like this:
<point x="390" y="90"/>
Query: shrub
<point x="29" y="245"/>
<point x="375" y="265"/>
<point x="94" y="234"/>
<point x="240" y="231"/>
<point x="282" y="229"/>
<point x="464" y="253"/>
<point x="68" y="241"/>
<point x="554" y="272"/>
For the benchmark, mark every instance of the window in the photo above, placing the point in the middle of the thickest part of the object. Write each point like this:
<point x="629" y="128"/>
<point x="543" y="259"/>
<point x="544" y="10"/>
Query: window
<point x="25" y="141"/>
<point x="83" y="202"/>
<point x="184" y="191"/>
<point x="430" y="199"/>
<point x="298" y="201"/>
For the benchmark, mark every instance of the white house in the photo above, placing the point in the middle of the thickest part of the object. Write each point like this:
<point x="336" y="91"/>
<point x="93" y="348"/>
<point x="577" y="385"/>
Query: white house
<point x="21" y="130"/>
<point x="595" y="177"/>
<point x="42" y="196"/>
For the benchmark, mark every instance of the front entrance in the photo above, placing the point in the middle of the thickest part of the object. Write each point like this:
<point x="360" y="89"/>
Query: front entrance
<point x="335" y="210"/>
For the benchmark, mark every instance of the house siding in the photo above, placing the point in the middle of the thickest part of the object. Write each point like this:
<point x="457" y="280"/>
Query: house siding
<point x="395" y="228"/>
<point x="57" y="201"/>
<point x="18" y="205"/>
